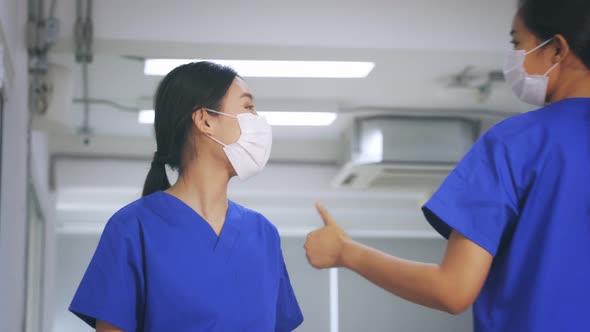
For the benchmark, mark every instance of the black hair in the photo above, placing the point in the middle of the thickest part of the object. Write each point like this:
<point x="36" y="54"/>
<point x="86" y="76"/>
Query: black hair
<point x="570" y="18"/>
<point x="184" y="90"/>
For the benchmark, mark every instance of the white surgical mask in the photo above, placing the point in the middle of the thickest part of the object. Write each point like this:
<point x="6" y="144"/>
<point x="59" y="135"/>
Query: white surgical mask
<point x="250" y="153"/>
<point x="532" y="89"/>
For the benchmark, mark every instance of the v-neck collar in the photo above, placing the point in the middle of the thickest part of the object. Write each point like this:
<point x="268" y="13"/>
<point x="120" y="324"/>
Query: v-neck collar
<point x="175" y="210"/>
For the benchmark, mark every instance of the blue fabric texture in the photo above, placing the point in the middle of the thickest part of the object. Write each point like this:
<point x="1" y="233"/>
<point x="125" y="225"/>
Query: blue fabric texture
<point x="159" y="266"/>
<point x="523" y="194"/>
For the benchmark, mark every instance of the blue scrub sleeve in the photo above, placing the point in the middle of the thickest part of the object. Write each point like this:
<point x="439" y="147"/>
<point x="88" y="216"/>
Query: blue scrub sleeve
<point x="111" y="289"/>
<point x="478" y="199"/>
<point x="289" y="315"/>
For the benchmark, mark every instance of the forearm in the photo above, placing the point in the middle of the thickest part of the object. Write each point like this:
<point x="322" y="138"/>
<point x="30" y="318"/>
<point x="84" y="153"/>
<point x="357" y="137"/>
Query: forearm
<point x="451" y="286"/>
<point x="420" y="283"/>
<point x="102" y="326"/>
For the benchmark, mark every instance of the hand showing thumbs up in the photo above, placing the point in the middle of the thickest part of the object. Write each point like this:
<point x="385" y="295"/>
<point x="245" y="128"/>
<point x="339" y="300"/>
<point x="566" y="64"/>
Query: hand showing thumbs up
<point x="325" y="246"/>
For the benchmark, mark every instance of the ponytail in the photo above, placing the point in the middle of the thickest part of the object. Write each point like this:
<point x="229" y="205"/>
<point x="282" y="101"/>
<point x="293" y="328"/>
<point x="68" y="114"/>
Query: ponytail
<point x="157" y="179"/>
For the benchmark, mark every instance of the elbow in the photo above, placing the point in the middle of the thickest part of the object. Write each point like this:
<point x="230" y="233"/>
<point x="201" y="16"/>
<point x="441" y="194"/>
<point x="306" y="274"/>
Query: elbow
<point x="455" y="303"/>
<point x="455" y="297"/>
<point x="456" y="307"/>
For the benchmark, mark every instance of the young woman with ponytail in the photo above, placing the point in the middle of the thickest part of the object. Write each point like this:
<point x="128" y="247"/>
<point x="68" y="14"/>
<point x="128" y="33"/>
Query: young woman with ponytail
<point x="184" y="257"/>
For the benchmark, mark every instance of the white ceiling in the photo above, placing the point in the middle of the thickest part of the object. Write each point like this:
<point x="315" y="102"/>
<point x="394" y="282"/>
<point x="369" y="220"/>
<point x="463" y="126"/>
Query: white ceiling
<point x="416" y="45"/>
<point x="470" y="25"/>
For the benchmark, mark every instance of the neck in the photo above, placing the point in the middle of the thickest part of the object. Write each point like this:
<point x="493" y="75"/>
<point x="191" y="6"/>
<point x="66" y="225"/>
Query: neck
<point x="203" y="187"/>
<point x="574" y="84"/>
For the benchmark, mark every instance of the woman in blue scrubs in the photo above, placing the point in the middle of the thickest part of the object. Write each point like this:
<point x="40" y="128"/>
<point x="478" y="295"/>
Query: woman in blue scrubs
<point x="184" y="257"/>
<point x="516" y="210"/>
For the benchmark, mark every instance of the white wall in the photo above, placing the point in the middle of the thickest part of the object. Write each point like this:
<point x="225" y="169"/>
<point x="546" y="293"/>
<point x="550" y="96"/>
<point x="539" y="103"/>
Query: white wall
<point x="365" y="307"/>
<point x="13" y="207"/>
<point x="91" y="190"/>
<point x="47" y="207"/>
<point x="312" y="287"/>
<point x="74" y="253"/>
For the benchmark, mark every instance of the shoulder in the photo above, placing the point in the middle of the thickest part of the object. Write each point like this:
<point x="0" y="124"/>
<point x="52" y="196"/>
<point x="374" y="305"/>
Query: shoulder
<point x="128" y="219"/>
<point x="520" y="143"/>
<point x="538" y="124"/>
<point x="256" y="219"/>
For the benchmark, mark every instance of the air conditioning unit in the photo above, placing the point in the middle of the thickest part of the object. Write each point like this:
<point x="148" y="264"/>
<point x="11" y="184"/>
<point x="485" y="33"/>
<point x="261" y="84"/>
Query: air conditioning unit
<point x="404" y="152"/>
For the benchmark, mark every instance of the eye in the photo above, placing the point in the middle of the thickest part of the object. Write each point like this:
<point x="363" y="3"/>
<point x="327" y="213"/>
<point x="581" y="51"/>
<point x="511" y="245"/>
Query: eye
<point x="251" y="107"/>
<point x="514" y="43"/>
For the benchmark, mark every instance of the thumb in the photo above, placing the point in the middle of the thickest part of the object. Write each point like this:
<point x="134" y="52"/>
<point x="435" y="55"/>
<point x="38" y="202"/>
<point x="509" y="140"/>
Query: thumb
<point x="326" y="217"/>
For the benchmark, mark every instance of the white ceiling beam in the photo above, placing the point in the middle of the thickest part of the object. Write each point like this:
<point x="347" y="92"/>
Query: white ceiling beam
<point x="418" y="24"/>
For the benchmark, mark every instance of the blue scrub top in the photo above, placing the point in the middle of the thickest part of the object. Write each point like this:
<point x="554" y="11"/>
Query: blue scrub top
<point x="523" y="194"/>
<point x="159" y="267"/>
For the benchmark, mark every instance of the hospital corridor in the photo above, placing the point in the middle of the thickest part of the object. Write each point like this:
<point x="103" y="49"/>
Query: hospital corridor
<point x="309" y="166"/>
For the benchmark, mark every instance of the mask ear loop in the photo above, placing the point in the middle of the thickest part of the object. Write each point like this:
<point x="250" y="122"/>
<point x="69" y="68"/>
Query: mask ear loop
<point x="551" y="69"/>
<point x="211" y="137"/>
<point x="221" y="113"/>
<point x="218" y="141"/>
<point x="541" y="45"/>
<point x="538" y="47"/>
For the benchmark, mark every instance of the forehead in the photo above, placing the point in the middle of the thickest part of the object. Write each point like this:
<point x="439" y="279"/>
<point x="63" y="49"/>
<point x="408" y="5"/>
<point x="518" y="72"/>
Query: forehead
<point x="518" y="26"/>
<point x="239" y="88"/>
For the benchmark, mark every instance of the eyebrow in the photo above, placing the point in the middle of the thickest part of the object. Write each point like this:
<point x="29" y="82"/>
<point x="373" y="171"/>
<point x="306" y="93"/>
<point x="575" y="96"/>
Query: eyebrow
<point x="247" y="95"/>
<point x="513" y="32"/>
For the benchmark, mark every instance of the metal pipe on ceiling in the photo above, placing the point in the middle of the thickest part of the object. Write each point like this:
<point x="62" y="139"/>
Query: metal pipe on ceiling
<point x="83" y="37"/>
<point x="106" y="102"/>
<point x="79" y="8"/>
<point x="42" y="33"/>
<point x="41" y="9"/>
<point x="89" y="10"/>
<point x="32" y="9"/>
<point x="52" y="8"/>
<point x="85" y="93"/>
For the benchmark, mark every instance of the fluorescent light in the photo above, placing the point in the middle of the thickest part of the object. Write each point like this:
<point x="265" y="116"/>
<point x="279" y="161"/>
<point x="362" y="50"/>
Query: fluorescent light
<point x="146" y="116"/>
<point x="274" y="118"/>
<point x="273" y="68"/>
<point x="299" y="118"/>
